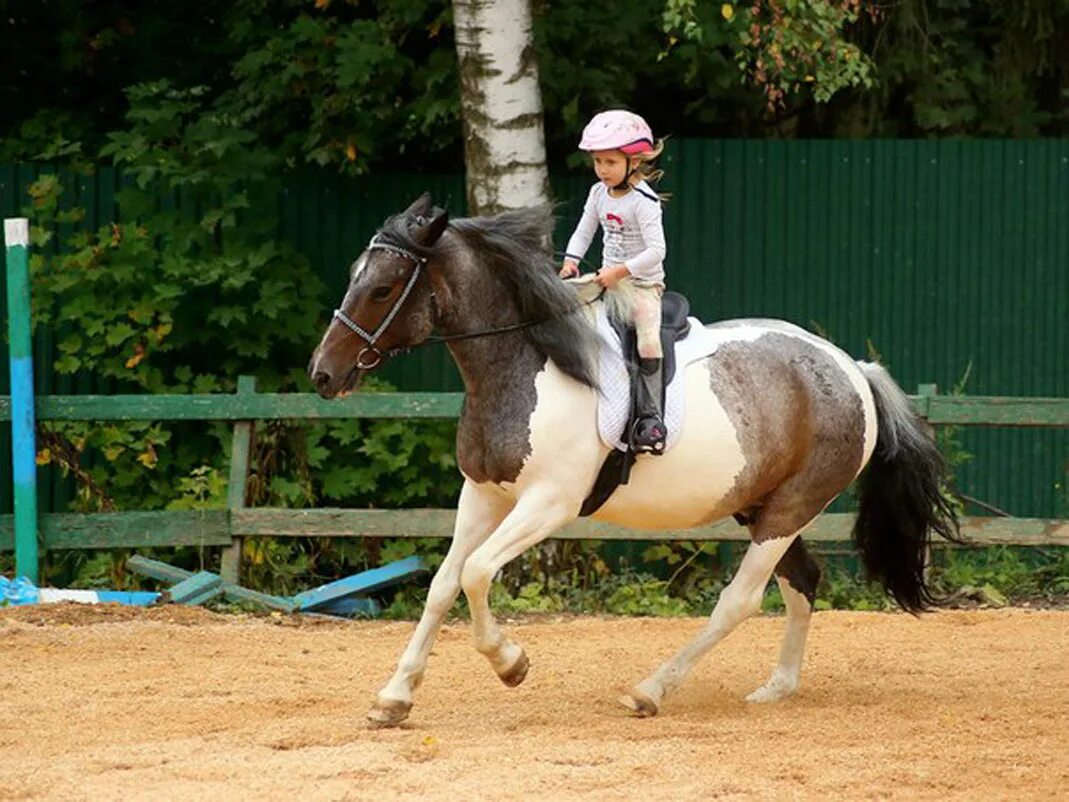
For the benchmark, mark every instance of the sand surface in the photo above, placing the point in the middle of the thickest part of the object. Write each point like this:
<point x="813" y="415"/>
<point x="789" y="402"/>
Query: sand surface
<point x="181" y="703"/>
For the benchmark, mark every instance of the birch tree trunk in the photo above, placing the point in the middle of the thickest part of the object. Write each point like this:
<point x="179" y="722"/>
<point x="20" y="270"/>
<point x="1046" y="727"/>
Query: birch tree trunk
<point x="501" y="105"/>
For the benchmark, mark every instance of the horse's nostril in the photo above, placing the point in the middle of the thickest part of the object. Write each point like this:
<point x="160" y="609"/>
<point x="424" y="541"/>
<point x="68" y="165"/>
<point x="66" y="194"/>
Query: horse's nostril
<point x="320" y="379"/>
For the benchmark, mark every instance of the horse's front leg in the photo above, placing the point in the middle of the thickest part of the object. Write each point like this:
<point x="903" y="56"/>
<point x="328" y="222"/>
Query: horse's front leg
<point x="536" y="515"/>
<point x="479" y="512"/>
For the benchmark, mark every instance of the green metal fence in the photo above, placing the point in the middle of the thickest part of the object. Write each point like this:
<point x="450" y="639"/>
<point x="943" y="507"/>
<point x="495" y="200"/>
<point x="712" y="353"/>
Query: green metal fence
<point x="940" y="254"/>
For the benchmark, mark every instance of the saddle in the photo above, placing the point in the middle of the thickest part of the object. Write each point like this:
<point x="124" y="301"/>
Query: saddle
<point x="675" y="309"/>
<point x="616" y="470"/>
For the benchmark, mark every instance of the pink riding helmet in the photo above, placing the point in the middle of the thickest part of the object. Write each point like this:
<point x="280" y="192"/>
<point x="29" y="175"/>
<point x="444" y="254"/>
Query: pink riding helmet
<point x="617" y="130"/>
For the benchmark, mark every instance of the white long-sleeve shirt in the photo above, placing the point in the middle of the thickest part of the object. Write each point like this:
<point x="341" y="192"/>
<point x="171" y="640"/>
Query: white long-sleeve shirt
<point x="632" y="231"/>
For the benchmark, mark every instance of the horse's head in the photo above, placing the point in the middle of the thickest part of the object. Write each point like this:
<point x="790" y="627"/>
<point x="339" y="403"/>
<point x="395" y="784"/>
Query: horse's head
<point x="389" y="304"/>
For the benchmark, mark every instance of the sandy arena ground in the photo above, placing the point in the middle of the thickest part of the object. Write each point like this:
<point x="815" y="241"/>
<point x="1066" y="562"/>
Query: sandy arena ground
<point x="179" y="703"/>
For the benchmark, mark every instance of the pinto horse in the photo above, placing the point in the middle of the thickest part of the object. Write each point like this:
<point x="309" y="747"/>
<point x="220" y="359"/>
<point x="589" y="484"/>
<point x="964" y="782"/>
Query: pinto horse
<point x="778" y="423"/>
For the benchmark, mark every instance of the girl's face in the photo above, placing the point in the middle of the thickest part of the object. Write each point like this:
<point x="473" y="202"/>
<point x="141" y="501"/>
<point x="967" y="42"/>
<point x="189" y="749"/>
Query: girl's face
<point x="610" y="166"/>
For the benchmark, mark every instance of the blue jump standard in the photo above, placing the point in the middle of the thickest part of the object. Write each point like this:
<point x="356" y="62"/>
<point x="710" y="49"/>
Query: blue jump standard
<point x="323" y="597"/>
<point x="199" y="588"/>
<point x="22" y="591"/>
<point x="341" y="598"/>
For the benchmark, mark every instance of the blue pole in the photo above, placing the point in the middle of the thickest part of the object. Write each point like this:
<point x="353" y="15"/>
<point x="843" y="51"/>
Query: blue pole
<point x="20" y="358"/>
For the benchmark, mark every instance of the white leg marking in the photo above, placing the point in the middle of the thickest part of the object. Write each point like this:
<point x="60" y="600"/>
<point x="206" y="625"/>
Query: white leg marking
<point x="784" y="679"/>
<point x="738" y="601"/>
<point x="535" y="516"/>
<point x="479" y="512"/>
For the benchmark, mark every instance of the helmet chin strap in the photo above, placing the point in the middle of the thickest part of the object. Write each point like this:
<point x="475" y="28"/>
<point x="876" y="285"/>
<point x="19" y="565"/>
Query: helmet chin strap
<point x="626" y="183"/>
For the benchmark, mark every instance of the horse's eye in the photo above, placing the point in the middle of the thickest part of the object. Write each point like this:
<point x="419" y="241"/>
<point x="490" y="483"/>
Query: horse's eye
<point x="381" y="293"/>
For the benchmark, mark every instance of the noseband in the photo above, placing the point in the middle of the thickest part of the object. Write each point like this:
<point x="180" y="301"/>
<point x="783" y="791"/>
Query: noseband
<point x="370" y="338"/>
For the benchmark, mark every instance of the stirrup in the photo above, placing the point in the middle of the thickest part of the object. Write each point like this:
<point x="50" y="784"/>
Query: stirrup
<point x="648" y="436"/>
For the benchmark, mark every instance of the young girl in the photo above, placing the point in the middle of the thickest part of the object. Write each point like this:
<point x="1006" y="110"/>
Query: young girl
<point x="629" y="212"/>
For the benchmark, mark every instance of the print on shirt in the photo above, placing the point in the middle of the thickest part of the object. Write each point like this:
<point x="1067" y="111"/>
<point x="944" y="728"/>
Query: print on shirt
<point x="613" y="232"/>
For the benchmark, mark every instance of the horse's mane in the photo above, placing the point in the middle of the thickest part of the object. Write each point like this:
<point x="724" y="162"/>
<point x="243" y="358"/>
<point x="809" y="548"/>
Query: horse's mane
<point x="515" y="245"/>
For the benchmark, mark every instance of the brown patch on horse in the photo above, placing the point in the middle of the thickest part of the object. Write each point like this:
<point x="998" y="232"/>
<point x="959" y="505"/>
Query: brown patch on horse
<point x="760" y="397"/>
<point x="494" y="433"/>
<point x="499" y="372"/>
<point x="800" y="423"/>
<point x="493" y="273"/>
<point x="800" y="570"/>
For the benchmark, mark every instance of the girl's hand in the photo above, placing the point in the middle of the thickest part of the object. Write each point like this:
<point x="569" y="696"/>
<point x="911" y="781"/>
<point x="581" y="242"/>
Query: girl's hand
<point x="609" y="277"/>
<point x="569" y="269"/>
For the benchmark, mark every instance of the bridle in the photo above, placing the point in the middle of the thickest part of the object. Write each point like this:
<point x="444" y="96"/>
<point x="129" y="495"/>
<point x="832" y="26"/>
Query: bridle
<point x="370" y="338"/>
<point x="419" y="262"/>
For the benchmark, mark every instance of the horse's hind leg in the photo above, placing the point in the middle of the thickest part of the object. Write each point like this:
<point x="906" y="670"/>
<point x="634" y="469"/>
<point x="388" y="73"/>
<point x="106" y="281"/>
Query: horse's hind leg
<point x="737" y="602"/>
<point x="479" y="512"/>
<point x="798" y="575"/>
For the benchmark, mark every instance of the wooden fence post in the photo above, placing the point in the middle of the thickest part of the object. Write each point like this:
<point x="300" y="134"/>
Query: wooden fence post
<point x="926" y="393"/>
<point x="230" y="568"/>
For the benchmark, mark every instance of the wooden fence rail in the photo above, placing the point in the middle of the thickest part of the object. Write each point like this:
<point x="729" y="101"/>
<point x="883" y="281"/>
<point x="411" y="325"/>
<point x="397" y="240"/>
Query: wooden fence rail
<point x="142" y="529"/>
<point x="936" y="409"/>
<point x="226" y="527"/>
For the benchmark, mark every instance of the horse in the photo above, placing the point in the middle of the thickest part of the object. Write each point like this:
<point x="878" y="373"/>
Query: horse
<point x="778" y="423"/>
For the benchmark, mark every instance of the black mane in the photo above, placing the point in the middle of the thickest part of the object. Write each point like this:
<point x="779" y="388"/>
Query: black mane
<point x="515" y="245"/>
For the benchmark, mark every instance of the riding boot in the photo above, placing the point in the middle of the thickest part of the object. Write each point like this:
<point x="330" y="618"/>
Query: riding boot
<point x="649" y="432"/>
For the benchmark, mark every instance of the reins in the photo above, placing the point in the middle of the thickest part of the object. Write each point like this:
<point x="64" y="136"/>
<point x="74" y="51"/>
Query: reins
<point x="419" y="262"/>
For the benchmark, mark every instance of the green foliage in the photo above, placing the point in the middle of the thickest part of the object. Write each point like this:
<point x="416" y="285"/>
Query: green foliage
<point x="341" y="67"/>
<point x="784" y="47"/>
<point x="204" y="489"/>
<point x="360" y="86"/>
<point x="640" y="595"/>
<point x="627" y="593"/>
<point x="969" y="67"/>
<point x="199" y="282"/>
<point x="94" y="569"/>
<point x="144" y="300"/>
<point x="578" y="78"/>
<point x="330" y="83"/>
<point x="394" y="463"/>
<point x="183" y="296"/>
<point x="1000" y="574"/>
<point x="534" y="597"/>
<point x="844" y="589"/>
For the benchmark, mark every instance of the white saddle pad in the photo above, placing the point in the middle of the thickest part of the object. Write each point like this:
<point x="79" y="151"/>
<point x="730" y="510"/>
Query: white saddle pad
<point x="614" y="397"/>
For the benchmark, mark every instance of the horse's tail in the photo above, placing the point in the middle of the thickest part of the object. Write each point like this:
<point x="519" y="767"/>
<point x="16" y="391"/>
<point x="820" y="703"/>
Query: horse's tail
<point x="902" y="497"/>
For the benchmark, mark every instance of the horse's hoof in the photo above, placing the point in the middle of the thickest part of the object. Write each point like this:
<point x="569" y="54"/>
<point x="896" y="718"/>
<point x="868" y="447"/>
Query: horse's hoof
<point x="388" y="713"/>
<point x="772" y="691"/>
<point x="518" y="673"/>
<point x="639" y="704"/>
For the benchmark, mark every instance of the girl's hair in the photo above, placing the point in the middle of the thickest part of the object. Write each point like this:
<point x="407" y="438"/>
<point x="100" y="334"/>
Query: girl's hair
<point x="648" y="171"/>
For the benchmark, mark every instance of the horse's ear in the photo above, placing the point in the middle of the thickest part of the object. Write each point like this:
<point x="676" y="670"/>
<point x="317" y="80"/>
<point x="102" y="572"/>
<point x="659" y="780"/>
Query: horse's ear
<point x="421" y="207"/>
<point x="428" y="231"/>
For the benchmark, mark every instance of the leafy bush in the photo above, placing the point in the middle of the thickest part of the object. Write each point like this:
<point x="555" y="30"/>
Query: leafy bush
<point x="183" y="296"/>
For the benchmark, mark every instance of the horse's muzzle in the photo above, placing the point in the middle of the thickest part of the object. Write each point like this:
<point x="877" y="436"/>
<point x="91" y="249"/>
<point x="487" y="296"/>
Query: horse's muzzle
<point x="329" y="384"/>
<point x="321" y="380"/>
